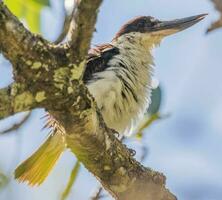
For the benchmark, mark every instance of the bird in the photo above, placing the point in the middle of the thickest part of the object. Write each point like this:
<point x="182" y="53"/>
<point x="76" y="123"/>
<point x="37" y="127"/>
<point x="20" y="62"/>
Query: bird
<point x="119" y="75"/>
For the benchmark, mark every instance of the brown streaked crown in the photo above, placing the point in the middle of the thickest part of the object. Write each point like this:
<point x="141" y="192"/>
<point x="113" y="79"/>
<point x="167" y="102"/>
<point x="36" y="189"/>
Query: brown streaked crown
<point x="140" y="24"/>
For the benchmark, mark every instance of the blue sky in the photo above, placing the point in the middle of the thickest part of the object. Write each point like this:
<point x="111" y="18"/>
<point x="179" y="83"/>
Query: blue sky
<point x="186" y="147"/>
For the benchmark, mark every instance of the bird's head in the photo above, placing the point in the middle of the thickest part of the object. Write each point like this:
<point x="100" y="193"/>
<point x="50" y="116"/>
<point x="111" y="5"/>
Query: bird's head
<point x="150" y="31"/>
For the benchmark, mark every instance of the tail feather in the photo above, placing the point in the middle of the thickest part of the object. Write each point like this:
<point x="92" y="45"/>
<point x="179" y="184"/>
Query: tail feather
<point x="36" y="168"/>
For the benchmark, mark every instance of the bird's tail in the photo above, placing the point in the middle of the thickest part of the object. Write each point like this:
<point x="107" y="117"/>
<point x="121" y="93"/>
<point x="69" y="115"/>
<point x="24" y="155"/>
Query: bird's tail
<point x="36" y="168"/>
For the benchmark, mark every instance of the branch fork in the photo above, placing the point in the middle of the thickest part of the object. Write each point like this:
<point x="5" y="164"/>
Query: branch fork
<point x="49" y="76"/>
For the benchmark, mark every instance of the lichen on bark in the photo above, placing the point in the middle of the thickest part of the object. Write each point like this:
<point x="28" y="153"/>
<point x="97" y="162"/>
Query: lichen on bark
<point x="49" y="76"/>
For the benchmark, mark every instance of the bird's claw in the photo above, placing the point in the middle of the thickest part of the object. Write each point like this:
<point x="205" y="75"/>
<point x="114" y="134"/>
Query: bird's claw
<point x="132" y="152"/>
<point x="115" y="133"/>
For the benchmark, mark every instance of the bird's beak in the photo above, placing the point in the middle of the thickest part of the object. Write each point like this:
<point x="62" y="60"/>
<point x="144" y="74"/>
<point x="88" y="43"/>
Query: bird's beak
<point x="166" y="28"/>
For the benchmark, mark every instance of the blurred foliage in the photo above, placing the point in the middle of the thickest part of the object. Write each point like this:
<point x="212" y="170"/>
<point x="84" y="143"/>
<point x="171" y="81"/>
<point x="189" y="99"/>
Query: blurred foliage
<point x="152" y="114"/>
<point x="3" y="180"/>
<point x="72" y="180"/>
<point x="156" y="99"/>
<point x="29" y="11"/>
<point x="147" y="121"/>
<point x="16" y="126"/>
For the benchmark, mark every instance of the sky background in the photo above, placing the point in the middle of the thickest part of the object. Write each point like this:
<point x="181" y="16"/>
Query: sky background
<point x="186" y="146"/>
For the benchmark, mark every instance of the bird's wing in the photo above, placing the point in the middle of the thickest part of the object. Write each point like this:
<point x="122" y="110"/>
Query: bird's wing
<point x="98" y="59"/>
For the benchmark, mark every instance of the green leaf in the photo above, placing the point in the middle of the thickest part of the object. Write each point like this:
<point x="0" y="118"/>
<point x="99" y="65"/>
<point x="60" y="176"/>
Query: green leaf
<point x="16" y="7"/>
<point x="72" y="180"/>
<point x="3" y="180"/>
<point x="147" y="121"/>
<point x="152" y="113"/>
<point x="32" y="15"/>
<point x="156" y="99"/>
<point x="42" y="2"/>
<point x="30" y="11"/>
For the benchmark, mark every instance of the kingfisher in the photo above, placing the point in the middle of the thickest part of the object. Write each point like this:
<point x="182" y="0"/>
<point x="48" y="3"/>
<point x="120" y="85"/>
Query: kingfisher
<point x="119" y="76"/>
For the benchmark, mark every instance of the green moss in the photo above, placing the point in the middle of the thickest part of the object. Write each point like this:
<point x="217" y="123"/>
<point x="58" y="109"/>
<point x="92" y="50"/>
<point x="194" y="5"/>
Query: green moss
<point x="28" y="62"/>
<point x="38" y="74"/>
<point x="46" y="67"/>
<point x="23" y="101"/>
<point x="70" y="90"/>
<point x="77" y="71"/>
<point x="60" y="77"/>
<point x="107" y="168"/>
<point x="40" y="96"/>
<point x="15" y="88"/>
<point x="40" y="43"/>
<point x="60" y="73"/>
<point x="36" y="65"/>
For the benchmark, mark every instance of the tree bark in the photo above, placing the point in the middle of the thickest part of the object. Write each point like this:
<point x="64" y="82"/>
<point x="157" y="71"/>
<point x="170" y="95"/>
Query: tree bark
<point x="217" y="24"/>
<point x="49" y="76"/>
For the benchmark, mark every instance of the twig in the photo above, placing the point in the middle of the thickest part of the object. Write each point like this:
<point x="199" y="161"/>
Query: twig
<point x="148" y="121"/>
<point x="66" y="26"/>
<point x="18" y="125"/>
<point x="3" y="180"/>
<point x="72" y="180"/>
<point x="82" y="27"/>
<point x="218" y="23"/>
<point x="98" y="194"/>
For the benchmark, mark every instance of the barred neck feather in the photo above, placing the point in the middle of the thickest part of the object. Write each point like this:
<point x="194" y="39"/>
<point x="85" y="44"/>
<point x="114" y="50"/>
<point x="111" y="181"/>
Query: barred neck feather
<point x="135" y="58"/>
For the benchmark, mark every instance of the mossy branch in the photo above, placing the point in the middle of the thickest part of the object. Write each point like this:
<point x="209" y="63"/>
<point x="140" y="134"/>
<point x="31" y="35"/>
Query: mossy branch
<point x="49" y="76"/>
<point x="13" y="99"/>
<point x="82" y="27"/>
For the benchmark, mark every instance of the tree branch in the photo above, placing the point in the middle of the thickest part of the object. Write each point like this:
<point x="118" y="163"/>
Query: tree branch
<point x="82" y="27"/>
<point x="13" y="99"/>
<point x="16" y="126"/>
<point x="21" y="47"/>
<point x="12" y="34"/>
<point x="107" y="158"/>
<point x="97" y="195"/>
<point x="66" y="25"/>
<point x="218" y="23"/>
<point x="52" y="80"/>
